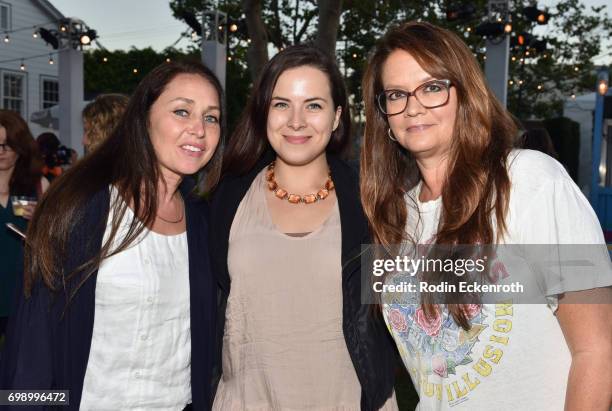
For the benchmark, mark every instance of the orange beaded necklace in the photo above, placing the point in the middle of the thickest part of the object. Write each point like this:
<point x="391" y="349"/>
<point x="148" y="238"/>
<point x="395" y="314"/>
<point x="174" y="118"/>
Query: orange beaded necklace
<point x="283" y="194"/>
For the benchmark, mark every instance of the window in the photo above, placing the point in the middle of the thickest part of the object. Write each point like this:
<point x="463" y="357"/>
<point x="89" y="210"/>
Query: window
<point x="5" y="16"/>
<point x="13" y="92"/>
<point x="49" y="92"/>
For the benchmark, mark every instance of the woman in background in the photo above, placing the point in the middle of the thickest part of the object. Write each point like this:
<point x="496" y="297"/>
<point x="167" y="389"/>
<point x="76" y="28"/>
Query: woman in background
<point x="20" y="176"/>
<point x="438" y="167"/>
<point x="118" y="303"/>
<point x="100" y="117"/>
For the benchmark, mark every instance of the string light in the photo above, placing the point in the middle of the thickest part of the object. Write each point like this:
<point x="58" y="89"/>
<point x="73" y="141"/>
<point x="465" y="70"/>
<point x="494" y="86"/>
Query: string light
<point x="539" y="87"/>
<point x="135" y="71"/>
<point x="354" y="55"/>
<point x="520" y="82"/>
<point x="249" y="41"/>
<point x="513" y="58"/>
<point x="511" y="82"/>
<point x="527" y="53"/>
<point x="105" y="59"/>
<point x="573" y="97"/>
<point x="35" y="34"/>
<point x="51" y="59"/>
<point x="63" y="28"/>
<point x="576" y="69"/>
<point x="7" y="38"/>
<point x="229" y="58"/>
<point x="168" y="60"/>
<point x="22" y="67"/>
<point x="194" y="34"/>
<point x="469" y="29"/>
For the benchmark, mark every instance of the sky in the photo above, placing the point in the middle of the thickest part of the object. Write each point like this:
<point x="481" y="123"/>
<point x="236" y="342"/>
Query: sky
<point x="122" y="24"/>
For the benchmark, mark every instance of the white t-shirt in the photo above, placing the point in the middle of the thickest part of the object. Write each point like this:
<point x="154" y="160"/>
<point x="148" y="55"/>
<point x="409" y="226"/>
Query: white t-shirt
<point x="140" y="356"/>
<point x="515" y="356"/>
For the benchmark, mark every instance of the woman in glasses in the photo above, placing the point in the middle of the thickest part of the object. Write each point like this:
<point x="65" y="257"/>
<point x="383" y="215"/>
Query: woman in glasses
<point x="289" y="226"/>
<point x="118" y="302"/>
<point x="438" y="168"/>
<point x="20" y="176"/>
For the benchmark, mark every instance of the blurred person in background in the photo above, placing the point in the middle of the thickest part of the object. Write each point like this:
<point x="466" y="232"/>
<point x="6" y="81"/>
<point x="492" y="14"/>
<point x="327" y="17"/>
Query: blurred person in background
<point x="55" y="156"/>
<point x="20" y="176"/>
<point x="538" y="139"/>
<point x="100" y="118"/>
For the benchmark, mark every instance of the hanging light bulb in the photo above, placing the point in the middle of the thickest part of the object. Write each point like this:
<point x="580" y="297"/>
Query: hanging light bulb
<point x="22" y="67"/>
<point x="168" y="60"/>
<point x="7" y="38"/>
<point x="35" y="34"/>
<point x="51" y="59"/>
<point x="229" y="58"/>
<point x="105" y="59"/>
<point x="135" y="71"/>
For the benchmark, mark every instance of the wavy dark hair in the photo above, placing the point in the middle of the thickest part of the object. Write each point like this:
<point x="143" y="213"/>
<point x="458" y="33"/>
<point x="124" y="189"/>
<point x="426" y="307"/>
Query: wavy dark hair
<point x="125" y="160"/>
<point x="27" y="173"/>
<point x="476" y="189"/>
<point x="250" y="140"/>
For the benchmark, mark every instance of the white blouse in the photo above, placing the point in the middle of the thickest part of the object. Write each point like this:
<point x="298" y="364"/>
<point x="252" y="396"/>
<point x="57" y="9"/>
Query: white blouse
<point x="140" y="356"/>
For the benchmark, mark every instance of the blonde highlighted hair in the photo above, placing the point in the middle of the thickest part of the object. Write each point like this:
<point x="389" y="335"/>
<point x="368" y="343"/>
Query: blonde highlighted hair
<point x="101" y="116"/>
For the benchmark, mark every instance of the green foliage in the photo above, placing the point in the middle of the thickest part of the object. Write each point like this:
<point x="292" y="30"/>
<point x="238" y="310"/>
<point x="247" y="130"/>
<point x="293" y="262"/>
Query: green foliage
<point x="113" y="71"/>
<point x="574" y="36"/>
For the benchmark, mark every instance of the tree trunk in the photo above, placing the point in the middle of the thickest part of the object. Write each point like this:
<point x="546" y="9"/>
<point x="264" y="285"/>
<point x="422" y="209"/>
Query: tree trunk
<point x="258" y="51"/>
<point x="327" y="30"/>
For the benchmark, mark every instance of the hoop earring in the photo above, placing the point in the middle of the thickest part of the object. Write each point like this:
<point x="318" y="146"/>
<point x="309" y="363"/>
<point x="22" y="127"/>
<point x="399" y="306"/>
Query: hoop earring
<point x="391" y="135"/>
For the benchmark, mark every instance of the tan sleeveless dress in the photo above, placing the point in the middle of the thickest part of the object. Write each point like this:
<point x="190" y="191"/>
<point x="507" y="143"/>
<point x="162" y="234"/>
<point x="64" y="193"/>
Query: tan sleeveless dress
<point x="283" y="347"/>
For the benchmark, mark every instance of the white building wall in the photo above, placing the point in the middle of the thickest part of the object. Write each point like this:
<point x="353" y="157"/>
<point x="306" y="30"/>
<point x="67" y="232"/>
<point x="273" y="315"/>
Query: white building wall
<point x="26" y="13"/>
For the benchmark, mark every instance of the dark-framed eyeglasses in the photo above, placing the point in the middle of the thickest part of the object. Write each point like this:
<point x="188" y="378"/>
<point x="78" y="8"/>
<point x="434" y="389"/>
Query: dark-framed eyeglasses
<point x="4" y="147"/>
<point x="431" y="94"/>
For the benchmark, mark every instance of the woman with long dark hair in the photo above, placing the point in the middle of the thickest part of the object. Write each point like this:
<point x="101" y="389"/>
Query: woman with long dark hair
<point x="118" y="304"/>
<point x="20" y="176"/>
<point x="288" y="227"/>
<point x="438" y="167"/>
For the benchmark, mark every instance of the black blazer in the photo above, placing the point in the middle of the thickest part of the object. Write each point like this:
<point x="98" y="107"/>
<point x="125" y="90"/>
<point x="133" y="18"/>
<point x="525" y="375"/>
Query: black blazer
<point x="370" y="346"/>
<point x="45" y="351"/>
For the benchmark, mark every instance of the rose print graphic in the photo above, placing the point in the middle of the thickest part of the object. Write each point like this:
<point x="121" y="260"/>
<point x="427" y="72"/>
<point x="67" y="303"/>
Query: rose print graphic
<point x="471" y="310"/>
<point x="397" y="320"/>
<point x="431" y="326"/>
<point x="438" y="365"/>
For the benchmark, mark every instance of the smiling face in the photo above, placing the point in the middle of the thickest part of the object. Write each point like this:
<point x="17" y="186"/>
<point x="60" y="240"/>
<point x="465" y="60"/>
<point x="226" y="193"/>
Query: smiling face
<point x="426" y="133"/>
<point x="302" y="116"/>
<point x="184" y="125"/>
<point x="8" y="158"/>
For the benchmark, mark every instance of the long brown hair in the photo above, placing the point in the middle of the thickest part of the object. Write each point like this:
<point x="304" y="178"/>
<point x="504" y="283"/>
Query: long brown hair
<point x="250" y="140"/>
<point x="28" y="167"/>
<point x="476" y="189"/>
<point x="126" y="160"/>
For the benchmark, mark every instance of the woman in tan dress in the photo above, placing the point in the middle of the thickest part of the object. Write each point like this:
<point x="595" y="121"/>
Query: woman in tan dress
<point x="288" y="226"/>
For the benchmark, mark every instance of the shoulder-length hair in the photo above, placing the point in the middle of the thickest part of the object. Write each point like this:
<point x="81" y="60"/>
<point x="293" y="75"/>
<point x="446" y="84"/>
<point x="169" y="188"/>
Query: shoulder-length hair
<point x="249" y="140"/>
<point x="125" y="160"/>
<point x="476" y="188"/>
<point x="28" y="167"/>
<point x="101" y="116"/>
